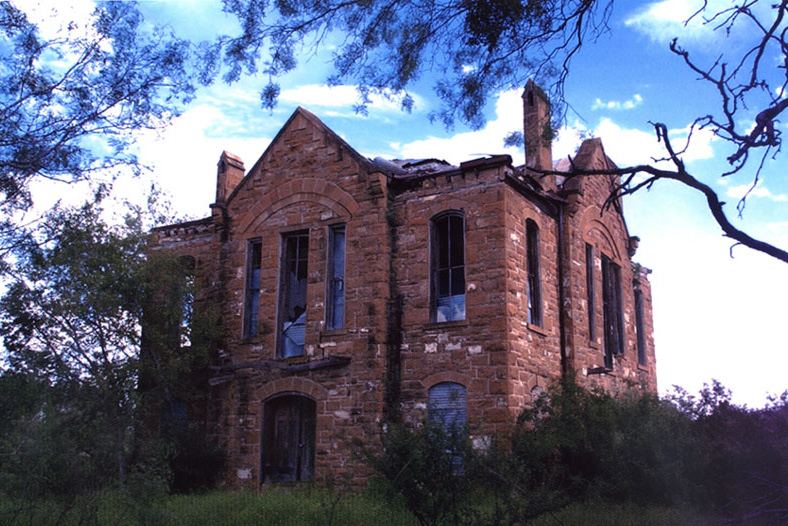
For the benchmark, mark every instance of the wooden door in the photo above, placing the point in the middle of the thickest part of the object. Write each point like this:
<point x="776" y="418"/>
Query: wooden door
<point x="288" y="439"/>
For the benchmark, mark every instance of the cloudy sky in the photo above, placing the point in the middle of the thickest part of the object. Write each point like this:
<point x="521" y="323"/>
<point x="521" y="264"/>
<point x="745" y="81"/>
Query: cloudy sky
<point x="715" y="316"/>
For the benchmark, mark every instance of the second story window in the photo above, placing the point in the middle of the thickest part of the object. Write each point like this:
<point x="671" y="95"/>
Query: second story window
<point x="640" y="324"/>
<point x="447" y="263"/>
<point x="612" y="310"/>
<point x="534" y="273"/>
<point x="590" y="292"/>
<point x="335" y="293"/>
<point x="292" y="295"/>
<point x="252" y="296"/>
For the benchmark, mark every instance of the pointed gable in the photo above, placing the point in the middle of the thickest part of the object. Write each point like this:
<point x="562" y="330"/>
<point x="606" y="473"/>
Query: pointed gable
<point x="307" y="145"/>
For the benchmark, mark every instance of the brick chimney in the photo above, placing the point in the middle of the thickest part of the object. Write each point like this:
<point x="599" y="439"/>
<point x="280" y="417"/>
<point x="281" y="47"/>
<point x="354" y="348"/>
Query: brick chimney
<point x="537" y="132"/>
<point x="229" y="173"/>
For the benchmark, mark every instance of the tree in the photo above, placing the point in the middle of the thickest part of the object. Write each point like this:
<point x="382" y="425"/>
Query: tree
<point x="71" y="105"/>
<point x="70" y="316"/>
<point x="478" y="48"/>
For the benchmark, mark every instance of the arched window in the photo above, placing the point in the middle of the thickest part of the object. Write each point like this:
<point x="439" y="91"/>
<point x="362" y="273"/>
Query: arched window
<point x="612" y="310"/>
<point x="447" y="261"/>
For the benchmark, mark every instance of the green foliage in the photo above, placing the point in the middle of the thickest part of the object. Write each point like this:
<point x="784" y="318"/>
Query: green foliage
<point x="71" y="322"/>
<point x="427" y="468"/>
<point x="577" y="449"/>
<point x="589" y="444"/>
<point x="478" y="47"/>
<point x="72" y="105"/>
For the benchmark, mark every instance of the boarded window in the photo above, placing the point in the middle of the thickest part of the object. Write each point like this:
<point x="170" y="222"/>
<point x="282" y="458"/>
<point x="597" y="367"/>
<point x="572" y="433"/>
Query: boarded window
<point x="448" y="267"/>
<point x="534" y="273"/>
<point x="335" y="293"/>
<point x="447" y="406"/>
<point x="590" y="292"/>
<point x="252" y="300"/>
<point x="640" y="324"/>
<point x="292" y="317"/>
<point x="612" y="307"/>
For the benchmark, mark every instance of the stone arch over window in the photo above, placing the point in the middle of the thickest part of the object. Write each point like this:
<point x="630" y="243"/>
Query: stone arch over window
<point x="447" y="266"/>
<point x="324" y="193"/>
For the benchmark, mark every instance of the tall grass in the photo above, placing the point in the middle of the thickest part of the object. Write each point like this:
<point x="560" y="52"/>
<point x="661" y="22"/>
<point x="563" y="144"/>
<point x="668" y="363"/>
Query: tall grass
<point x="298" y="506"/>
<point x="272" y="507"/>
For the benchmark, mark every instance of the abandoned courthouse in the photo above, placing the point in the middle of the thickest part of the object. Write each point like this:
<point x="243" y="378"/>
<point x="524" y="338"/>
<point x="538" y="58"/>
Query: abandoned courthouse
<point x="351" y="291"/>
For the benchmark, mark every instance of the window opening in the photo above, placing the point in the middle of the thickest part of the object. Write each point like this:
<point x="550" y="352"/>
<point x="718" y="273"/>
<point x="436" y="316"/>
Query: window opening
<point x="590" y="291"/>
<point x="534" y="271"/>
<point x="293" y="300"/>
<point x="640" y="324"/>
<point x="335" y="301"/>
<point x="252" y="303"/>
<point x="448" y="268"/>
<point x="187" y="300"/>
<point x="447" y="409"/>
<point x="613" y="316"/>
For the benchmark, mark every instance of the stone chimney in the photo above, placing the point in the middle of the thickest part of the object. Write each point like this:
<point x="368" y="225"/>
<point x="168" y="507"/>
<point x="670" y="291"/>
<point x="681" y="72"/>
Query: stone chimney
<point x="537" y="132"/>
<point x="229" y="173"/>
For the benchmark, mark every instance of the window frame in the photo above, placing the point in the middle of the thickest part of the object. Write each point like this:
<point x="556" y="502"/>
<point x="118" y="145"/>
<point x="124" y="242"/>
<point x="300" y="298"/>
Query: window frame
<point x="612" y="306"/>
<point x="591" y="292"/>
<point x="285" y="298"/>
<point x="640" y="324"/>
<point x="446" y="272"/>
<point x="533" y="266"/>
<point x="335" y="278"/>
<point x="251" y="317"/>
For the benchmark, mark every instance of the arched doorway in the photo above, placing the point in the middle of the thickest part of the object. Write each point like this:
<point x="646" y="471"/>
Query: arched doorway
<point x="288" y="448"/>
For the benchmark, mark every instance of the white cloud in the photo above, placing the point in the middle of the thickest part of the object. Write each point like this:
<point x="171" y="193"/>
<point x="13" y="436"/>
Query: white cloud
<point x="630" y="104"/>
<point x="759" y="191"/>
<point x="469" y="145"/>
<point x="666" y="19"/>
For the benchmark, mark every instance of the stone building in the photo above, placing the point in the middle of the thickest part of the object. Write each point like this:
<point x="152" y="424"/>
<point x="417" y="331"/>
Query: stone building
<point x="352" y="291"/>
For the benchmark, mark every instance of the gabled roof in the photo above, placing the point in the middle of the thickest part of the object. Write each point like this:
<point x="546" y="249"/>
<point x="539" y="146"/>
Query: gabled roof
<point x="316" y="122"/>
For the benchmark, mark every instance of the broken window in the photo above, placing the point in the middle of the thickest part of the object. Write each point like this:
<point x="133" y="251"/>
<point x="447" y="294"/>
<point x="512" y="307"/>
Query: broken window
<point x="292" y="318"/>
<point x="612" y="310"/>
<point x="252" y="297"/>
<point x="640" y="324"/>
<point x="534" y="273"/>
<point x="590" y="291"/>
<point x="448" y="267"/>
<point x="186" y="300"/>
<point x="335" y="293"/>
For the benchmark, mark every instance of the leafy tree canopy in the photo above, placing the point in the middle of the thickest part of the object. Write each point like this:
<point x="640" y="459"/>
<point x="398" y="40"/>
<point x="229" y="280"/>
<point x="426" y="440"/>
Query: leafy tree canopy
<point x="478" y="47"/>
<point x="70" y="105"/>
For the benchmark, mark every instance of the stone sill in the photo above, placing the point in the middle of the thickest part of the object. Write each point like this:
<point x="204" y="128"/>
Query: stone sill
<point x="537" y="329"/>
<point x="437" y="325"/>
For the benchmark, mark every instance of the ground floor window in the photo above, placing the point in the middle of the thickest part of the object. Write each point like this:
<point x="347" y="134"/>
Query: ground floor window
<point x="288" y="448"/>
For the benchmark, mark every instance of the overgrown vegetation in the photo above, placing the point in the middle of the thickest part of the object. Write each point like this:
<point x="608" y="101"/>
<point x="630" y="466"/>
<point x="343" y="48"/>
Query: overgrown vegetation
<point x="578" y="448"/>
<point x="80" y="405"/>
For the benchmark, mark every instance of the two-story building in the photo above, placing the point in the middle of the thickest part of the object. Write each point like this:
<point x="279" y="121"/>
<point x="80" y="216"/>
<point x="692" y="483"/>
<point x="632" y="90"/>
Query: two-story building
<point x="352" y="291"/>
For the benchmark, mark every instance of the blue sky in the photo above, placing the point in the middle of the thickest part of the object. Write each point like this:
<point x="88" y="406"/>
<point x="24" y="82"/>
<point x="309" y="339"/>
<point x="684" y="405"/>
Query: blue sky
<point x="715" y="317"/>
